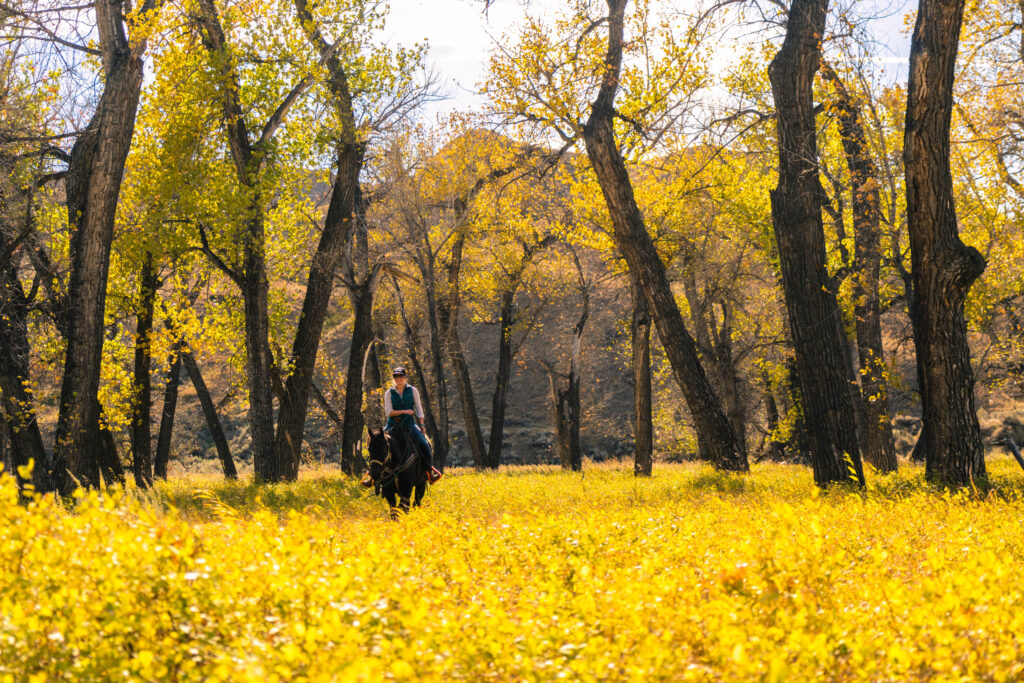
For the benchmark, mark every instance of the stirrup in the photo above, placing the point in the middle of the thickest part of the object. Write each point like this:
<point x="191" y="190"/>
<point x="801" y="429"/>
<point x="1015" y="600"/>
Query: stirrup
<point x="433" y="474"/>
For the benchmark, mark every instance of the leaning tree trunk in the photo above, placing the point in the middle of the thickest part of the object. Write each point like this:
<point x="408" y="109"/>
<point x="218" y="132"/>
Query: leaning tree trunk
<point x="633" y="241"/>
<point x="93" y="187"/>
<point x="210" y="413"/>
<point x="814" y="316"/>
<point x="142" y="456"/>
<point x="879" y="447"/>
<point x="640" y="339"/>
<point x="448" y="318"/>
<point x="943" y="267"/>
<point x="163" y="441"/>
<point x="291" y="421"/>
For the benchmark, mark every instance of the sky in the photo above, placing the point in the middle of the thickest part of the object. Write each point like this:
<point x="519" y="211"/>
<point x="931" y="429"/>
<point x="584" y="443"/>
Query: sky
<point x="461" y="36"/>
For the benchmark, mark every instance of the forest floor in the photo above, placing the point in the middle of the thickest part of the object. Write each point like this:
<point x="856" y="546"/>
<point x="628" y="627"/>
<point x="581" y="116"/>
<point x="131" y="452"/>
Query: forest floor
<point x="529" y="573"/>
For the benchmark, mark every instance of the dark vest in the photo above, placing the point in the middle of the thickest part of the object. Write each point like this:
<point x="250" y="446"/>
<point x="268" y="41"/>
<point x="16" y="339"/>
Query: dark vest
<point x="403" y="401"/>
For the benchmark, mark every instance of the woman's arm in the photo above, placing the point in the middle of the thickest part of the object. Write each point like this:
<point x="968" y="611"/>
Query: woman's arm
<point x="418" y="408"/>
<point x="389" y="411"/>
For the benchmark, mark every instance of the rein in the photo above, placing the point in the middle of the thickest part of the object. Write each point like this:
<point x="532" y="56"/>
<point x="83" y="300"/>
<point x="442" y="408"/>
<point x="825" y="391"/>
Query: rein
<point x="389" y="473"/>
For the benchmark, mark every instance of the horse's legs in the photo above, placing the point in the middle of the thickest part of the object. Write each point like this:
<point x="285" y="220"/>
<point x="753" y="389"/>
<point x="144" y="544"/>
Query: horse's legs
<point x="389" y="495"/>
<point x="421" y="488"/>
<point x="404" y="504"/>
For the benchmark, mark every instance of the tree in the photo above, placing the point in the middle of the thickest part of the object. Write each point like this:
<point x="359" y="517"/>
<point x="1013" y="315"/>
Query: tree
<point x="571" y="85"/>
<point x="640" y="355"/>
<point x="442" y="187"/>
<point x="815" y="321"/>
<point x="93" y="185"/>
<point x="877" y="442"/>
<point x="565" y="402"/>
<point x="943" y="267"/>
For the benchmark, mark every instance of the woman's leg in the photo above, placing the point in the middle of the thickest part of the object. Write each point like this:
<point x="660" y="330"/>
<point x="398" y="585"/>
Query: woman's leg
<point x="428" y="459"/>
<point x="421" y="442"/>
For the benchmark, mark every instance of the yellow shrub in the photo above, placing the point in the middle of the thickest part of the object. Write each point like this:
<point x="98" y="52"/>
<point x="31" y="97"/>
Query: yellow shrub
<point x="524" y="574"/>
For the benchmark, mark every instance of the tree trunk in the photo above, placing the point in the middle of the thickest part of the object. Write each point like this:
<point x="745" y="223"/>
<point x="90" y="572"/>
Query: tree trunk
<point x="19" y="406"/>
<point x="163" y="443"/>
<point x="10" y="467"/>
<point x="574" y="414"/>
<point x="266" y="465"/>
<point x="714" y="342"/>
<point x="774" y="449"/>
<point x="727" y="370"/>
<point x="210" y="413"/>
<point x="814" y="316"/>
<point x="502" y="378"/>
<point x="248" y="158"/>
<point x="643" y="425"/>
<point x="558" y="415"/>
<point x="448" y="317"/>
<point x="142" y="456"/>
<point x="442" y="438"/>
<point x="879" y="445"/>
<point x="93" y="187"/>
<point x="345" y="196"/>
<point x="104" y="451"/>
<point x="633" y="241"/>
<point x="363" y="296"/>
<point x="943" y="267"/>
<point x="507" y="318"/>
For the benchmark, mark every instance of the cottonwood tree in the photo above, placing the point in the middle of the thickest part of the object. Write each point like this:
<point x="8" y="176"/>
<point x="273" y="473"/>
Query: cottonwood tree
<point x="28" y="155"/>
<point x="943" y="267"/>
<point x="565" y="400"/>
<point x="864" y="269"/>
<point x="448" y="191"/>
<point x="580" y="79"/>
<point x="370" y="90"/>
<point x="112" y="36"/>
<point x="323" y="72"/>
<point x="815" y="320"/>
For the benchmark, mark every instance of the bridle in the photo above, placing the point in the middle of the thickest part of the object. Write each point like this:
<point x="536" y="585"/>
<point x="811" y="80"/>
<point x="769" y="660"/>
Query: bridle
<point x="388" y="474"/>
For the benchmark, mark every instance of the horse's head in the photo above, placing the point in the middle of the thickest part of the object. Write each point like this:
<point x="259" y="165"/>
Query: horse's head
<point x="379" y="453"/>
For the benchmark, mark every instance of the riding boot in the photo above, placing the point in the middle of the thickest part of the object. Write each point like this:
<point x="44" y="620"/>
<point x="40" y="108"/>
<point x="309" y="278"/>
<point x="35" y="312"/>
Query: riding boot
<point x="428" y="458"/>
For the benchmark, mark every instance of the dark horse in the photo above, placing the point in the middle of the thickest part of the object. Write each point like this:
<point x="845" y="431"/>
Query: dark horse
<point x="396" y="468"/>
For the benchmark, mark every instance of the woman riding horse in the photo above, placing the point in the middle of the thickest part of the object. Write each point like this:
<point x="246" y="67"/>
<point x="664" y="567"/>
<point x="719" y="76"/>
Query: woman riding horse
<point x="396" y="473"/>
<point x="403" y="409"/>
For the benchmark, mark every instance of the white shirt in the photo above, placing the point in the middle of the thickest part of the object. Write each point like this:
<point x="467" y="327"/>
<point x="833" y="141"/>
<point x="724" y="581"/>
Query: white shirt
<point x="417" y="406"/>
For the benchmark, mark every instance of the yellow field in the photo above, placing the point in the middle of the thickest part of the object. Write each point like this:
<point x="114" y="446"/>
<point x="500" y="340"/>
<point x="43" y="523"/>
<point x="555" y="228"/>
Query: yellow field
<point x="526" y="574"/>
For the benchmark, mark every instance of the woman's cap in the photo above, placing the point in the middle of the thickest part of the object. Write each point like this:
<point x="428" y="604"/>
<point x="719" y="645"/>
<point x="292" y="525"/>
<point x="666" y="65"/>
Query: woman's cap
<point x="398" y="372"/>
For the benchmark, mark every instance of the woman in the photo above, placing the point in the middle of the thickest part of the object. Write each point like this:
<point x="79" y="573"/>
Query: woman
<point x="403" y="408"/>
